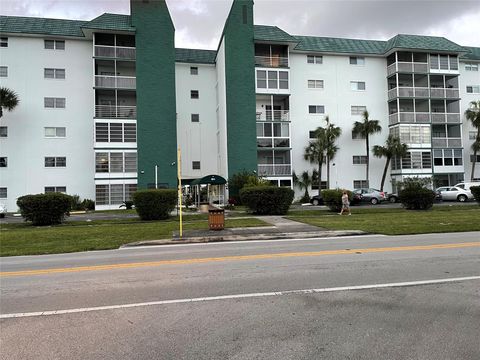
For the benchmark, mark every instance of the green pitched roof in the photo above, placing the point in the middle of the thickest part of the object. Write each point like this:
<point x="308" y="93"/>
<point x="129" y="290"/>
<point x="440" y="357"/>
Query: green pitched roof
<point x="338" y="45"/>
<point x="108" y="21"/>
<point x="421" y="42"/>
<point x="271" y="33"/>
<point x="195" y="56"/>
<point x="473" y="53"/>
<point x="43" y="26"/>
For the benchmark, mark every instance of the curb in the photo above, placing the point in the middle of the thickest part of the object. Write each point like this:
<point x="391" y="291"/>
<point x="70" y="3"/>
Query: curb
<point x="226" y="238"/>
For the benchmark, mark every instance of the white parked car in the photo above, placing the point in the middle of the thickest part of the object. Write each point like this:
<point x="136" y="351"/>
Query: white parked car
<point x="455" y="193"/>
<point x="3" y="210"/>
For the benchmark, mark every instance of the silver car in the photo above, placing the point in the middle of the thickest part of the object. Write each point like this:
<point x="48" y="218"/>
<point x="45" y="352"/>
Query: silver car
<point x="454" y="193"/>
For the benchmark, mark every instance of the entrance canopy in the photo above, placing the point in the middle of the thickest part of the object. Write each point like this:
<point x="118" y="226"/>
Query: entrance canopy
<point x="210" y="180"/>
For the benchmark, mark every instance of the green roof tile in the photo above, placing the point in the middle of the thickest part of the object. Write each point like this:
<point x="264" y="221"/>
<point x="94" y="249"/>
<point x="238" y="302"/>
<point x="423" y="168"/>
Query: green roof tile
<point x="108" y="21"/>
<point x="195" y="56"/>
<point x="421" y="42"/>
<point x="473" y="53"/>
<point x="44" y="26"/>
<point x="271" y="33"/>
<point x="339" y="45"/>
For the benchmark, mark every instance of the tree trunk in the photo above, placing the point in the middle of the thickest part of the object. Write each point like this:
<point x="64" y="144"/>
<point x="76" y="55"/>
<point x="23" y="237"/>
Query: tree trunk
<point x="320" y="164"/>
<point x="384" y="173"/>
<point x="368" y="158"/>
<point x="328" y="172"/>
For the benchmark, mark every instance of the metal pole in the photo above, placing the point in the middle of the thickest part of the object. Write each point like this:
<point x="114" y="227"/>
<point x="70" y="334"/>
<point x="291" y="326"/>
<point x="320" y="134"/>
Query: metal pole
<point x="179" y="167"/>
<point x="156" y="176"/>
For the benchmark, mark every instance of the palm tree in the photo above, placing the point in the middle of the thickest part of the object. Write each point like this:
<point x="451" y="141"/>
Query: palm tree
<point x="366" y="128"/>
<point x="303" y="183"/>
<point x="332" y="133"/>
<point x="8" y="100"/>
<point x="473" y="114"/>
<point x="393" y="147"/>
<point x="315" y="153"/>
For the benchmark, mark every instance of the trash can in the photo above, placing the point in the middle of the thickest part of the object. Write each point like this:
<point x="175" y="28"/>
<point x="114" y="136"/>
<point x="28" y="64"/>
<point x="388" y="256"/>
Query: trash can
<point x="216" y="218"/>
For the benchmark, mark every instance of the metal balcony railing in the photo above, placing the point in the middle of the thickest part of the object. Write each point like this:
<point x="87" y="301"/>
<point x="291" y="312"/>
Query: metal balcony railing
<point x="271" y="61"/>
<point x="115" y="112"/>
<point x="275" y="170"/>
<point x="118" y="52"/>
<point x="115" y="82"/>
<point x="273" y="115"/>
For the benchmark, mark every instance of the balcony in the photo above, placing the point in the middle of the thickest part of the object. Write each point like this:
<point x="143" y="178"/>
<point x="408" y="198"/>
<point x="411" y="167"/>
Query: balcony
<point x="271" y="61"/>
<point x="409" y="67"/>
<point x="275" y="170"/>
<point x="115" y="112"/>
<point x="275" y="115"/>
<point x="423" y="92"/>
<point x="115" y="82"/>
<point x="449" y="118"/>
<point x="446" y="142"/>
<point x="409" y="117"/>
<point x="115" y="52"/>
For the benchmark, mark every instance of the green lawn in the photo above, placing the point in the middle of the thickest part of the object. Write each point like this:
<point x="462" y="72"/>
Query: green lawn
<point x="24" y="239"/>
<point x="396" y="221"/>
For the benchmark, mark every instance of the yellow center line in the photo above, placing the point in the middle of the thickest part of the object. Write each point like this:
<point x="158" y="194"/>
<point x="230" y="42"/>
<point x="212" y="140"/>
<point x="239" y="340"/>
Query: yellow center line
<point x="235" y="258"/>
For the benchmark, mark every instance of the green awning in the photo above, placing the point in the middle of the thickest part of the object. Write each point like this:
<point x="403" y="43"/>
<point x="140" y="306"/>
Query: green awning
<point x="210" y="179"/>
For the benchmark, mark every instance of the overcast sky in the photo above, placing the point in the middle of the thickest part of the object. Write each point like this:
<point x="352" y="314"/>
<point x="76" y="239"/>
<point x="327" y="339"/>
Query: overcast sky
<point x="199" y="23"/>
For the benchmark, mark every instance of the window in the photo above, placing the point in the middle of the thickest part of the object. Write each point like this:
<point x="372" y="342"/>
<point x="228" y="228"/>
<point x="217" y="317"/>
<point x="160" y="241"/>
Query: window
<point x="357" y="85"/>
<point x="3" y="161"/>
<point x="194" y="94"/>
<point x="3" y="131"/>
<point x="195" y="118"/>
<point x="58" y="103"/>
<point x="315" y="84"/>
<point x="3" y="193"/>
<point x="116" y="132"/>
<point x="316" y="109"/>
<point x="471" y="67"/>
<point x="357" y="60"/>
<point x="472" y="135"/>
<point x="359" y="159"/>
<point x="53" y="161"/>
<point x="3" y="71"/>
<point x="3" y="41"/>
<point x="358" y="184"/>
<point x="357" y="110"/>
<point x="193" y="70"/>
<point x="314" y="59"/>
<point x="59" y="189"/>
<point x="196" y="165"/>
<point x="54" y="73"/>
<point x="55" y="132"/>
<point x="473" y="89"/>
<point x="54" y="44"/>
<point x="114" y="194"/>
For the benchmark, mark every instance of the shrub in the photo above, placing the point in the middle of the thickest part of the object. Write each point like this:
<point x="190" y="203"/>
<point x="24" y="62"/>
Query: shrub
<point x="333" y="198"/>
<point x="476" y="193"/>
<point x="45" y="209"/>
<point x="155" y="204"/>
<point x="267" y="200"/>
<point x="88" y="204"/>
<point x="414" y="196"/>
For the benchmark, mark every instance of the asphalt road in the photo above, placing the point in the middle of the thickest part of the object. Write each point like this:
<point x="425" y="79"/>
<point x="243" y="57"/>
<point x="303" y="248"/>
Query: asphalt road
<point x="231" y="301"/>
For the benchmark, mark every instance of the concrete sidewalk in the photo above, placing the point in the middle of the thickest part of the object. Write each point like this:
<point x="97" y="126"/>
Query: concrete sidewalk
<point x="281" y="228"/>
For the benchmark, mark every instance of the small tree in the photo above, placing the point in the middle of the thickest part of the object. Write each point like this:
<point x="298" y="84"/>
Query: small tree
<point x="366" y="128"/>
<point x="315" y="153"/>
<point x="393" y="148"/>
<point x="473" y="115"/>
<point x="8" y="100"/>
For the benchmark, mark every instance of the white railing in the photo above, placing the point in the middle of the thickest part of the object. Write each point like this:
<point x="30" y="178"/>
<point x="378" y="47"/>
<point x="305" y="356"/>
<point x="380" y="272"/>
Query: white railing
<point x="273" y="115"/>
<point x="271" y="61"/>
<point x="409" y="117"/>
<point x="446" y="142"/>
<point x="119" y="52"/>
<point x="112" y="111"/>
<point x="275" y="170"/>
<point x="116" y="82"/>
<point x="446" y="118"/>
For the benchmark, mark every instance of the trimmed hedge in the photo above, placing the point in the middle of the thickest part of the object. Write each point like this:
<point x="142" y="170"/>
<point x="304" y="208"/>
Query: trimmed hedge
<point x="333" y="198"/>
<point x="476" y="193"/>
<point x="155" y="204"/>
<point x="416" y="198"/>
<point x="45" y="209"/>
<point x="267" y="200"/>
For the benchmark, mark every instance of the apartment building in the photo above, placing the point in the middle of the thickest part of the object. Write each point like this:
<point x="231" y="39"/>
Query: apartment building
<point x="104" y="104"/>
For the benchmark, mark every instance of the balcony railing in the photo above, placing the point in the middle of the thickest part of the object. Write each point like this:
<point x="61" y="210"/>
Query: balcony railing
<point x="446" y="142"/>
<point x="115" y="82"/>
<point x="451" y="118"/>
<point x="409" y="117"/>
<point x="275" y="170"/>
<point x="273" y="115"/>
<point x="118" y="52"/>
<point x="115" y="112"/>
<point x="422" y="92"/>
<point x="411" y="67"/>
<point x="271" y="61"/>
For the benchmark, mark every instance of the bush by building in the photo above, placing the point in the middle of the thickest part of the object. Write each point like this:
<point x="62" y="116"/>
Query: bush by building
<point x="476" y="193"/>
<point x="155" y="204"/>
<point x="415" y="196"/>
<point x="45" y="209"/>
<point x="267" y="200"/>
<point x="333" y="198"/>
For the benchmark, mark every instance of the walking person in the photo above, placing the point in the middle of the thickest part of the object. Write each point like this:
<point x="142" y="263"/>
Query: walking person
<point x="345" y="204"/>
